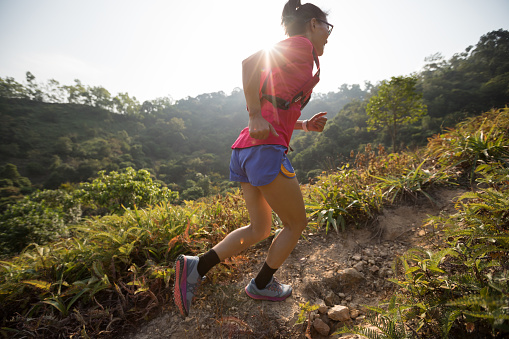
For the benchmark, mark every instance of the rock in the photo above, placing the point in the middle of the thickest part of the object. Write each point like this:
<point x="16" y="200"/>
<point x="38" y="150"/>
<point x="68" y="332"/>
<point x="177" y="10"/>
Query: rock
<point x="313" y="315"/>
<point x="331" y="299"/>
<point x="354" y="313"/>
<point x="421" y="233"/>
<point x="339" y="313"/>
<point x="359" y="266"/>
<point x="341" y="295"/>
<point x="356" y="257"/>
<point x="374" y="268"/>
<point x="368" y="252"/>
<point x="321" y="327"/>
<point x="322" y="308"/>
<point x="350" y="276"/>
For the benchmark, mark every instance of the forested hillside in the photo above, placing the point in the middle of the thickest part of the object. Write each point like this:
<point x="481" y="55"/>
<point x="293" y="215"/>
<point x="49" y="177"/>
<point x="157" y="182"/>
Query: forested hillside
<point x="56" y="134"/>
<point x="466" y="85"/>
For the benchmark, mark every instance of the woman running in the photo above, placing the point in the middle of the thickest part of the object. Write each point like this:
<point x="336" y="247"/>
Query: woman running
<point x="277" y="84"/>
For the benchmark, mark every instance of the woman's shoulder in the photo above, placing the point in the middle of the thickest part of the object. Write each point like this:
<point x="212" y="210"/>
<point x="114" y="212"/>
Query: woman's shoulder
<point x="296" y="42"/>
<point x="297" y="48"/>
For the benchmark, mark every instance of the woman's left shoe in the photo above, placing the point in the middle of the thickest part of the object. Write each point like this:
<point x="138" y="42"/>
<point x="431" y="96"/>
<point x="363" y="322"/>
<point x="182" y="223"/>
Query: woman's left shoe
<point x="274" y="291"/>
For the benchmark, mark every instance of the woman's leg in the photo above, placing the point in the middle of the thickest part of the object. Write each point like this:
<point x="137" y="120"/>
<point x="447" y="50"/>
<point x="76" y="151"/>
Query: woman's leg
<point x="285" y="197"/>
<point x="260" y="214"/>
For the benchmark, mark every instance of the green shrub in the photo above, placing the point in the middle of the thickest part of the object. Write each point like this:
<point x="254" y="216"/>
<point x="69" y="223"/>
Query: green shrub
<point x="39" y="218"/>
<point x="128" y="189"/>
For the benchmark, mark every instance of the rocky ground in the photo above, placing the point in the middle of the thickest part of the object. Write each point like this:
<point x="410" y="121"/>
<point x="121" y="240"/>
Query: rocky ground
<point x="339" y="272"/>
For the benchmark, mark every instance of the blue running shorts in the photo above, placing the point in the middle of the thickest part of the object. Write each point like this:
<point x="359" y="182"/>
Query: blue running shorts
<point x="260" y="165"/>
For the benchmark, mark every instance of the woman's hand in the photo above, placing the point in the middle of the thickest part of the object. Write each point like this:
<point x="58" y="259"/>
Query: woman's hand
<point x="317" y="122"/>
<point x="259" y="128"/>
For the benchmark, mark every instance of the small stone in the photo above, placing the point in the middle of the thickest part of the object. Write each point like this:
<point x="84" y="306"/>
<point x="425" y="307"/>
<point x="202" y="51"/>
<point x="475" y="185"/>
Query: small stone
<point x="331" y="299"/>
<point x="374" y="268"/>
<point x="357" y="257"/>
<point x="371" y="261"/>
<point x="339" y="313"/>
<point x="421" y="233"/>
<point x="341" y="295"/>
<point x="350" y="276"/>
<point x="321" y="327"/>
<point x="368" y="252"/>
<point x="354" y="313"/>
<point x="359" y="266"/>
<point x="323" y="309"/>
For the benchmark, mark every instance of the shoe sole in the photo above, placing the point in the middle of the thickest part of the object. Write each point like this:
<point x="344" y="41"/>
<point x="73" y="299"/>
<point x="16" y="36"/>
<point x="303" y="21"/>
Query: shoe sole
<point x="179" y="289"/>
<point x="263" y="297"/>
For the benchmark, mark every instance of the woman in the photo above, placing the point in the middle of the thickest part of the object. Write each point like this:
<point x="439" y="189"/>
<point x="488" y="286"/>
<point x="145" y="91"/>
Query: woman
<point x="276" y="85"/>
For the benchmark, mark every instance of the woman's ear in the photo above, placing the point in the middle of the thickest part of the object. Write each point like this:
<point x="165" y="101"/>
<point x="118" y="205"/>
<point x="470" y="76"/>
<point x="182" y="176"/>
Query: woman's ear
<point x="313" y="24"/>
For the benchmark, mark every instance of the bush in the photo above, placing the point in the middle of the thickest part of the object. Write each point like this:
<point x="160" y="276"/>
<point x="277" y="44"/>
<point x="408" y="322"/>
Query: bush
<point x="28" y="222"/>
<point x="116" y="191"/>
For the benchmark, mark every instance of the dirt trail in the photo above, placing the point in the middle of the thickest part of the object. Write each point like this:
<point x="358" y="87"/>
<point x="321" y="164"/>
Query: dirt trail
<point x="348" y="269"/>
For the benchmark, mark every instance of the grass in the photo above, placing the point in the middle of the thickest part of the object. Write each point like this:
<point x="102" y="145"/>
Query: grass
<point x="114" y="270"/>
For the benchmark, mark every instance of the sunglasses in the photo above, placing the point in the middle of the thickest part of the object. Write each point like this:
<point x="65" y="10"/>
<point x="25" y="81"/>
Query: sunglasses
<point x="330" y="26"/>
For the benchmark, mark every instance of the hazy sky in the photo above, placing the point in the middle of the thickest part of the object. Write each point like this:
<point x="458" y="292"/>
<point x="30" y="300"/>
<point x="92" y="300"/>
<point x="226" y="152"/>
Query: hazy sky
<point x="156" y="48"/>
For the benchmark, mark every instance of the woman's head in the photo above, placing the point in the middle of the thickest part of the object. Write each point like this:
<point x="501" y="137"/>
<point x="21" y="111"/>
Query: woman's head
<point x="308" y="20"/>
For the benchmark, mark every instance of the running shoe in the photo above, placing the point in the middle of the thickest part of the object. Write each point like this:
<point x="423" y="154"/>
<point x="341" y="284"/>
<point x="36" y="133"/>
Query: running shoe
<point x="274" y="291"/>
<point x="187" y="281"/>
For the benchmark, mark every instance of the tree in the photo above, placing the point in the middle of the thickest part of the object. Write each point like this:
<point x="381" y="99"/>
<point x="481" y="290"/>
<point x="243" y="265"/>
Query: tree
<point x="33" y="88"/>
<point x="9" y="88"/>
<point x="396" y="104"/>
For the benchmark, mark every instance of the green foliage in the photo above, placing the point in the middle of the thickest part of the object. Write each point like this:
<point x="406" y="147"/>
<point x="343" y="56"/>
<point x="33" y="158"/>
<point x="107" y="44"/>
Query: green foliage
<point x="123" y="261"/>
<point x="128" y="189"/>
<point x="305" y="309"/>
<point x="386" y="324"/>
<point x="356" y="196"/>
<point x="411" y="182"/>
<point x="461" y="288"/>
<point x="12" y="185"/>
<point x="39" y="218"/>
<point x="477" y="140"/>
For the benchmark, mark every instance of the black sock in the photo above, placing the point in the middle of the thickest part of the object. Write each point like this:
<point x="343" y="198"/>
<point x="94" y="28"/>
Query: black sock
<point x="264" y="276"/>
<point x="207" y="261"/>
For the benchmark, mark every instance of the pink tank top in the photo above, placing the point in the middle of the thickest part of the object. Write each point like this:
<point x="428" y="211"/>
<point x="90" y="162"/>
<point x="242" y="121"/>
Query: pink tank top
<point x="285" y="82"/>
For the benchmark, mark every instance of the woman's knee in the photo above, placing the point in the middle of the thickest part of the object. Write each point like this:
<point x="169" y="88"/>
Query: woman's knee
<point x="298" y="225"/>
<point x="259" y="233"/>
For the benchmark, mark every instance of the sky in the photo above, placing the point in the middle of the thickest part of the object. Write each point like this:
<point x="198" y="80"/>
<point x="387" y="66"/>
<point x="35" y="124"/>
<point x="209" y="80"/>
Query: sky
<point x="167" y="48"/>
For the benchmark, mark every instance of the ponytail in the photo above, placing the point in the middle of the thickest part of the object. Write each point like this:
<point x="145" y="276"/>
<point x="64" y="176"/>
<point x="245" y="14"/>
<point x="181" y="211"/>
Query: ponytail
<point x="295" y="16"/>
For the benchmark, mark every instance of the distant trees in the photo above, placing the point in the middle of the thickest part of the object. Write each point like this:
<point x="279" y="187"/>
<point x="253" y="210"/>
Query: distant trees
<point x="77" y="93"/>
<point x="396" y="103"/>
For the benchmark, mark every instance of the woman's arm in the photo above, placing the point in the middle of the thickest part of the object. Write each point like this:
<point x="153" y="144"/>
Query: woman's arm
<point x="259" y="128"/>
